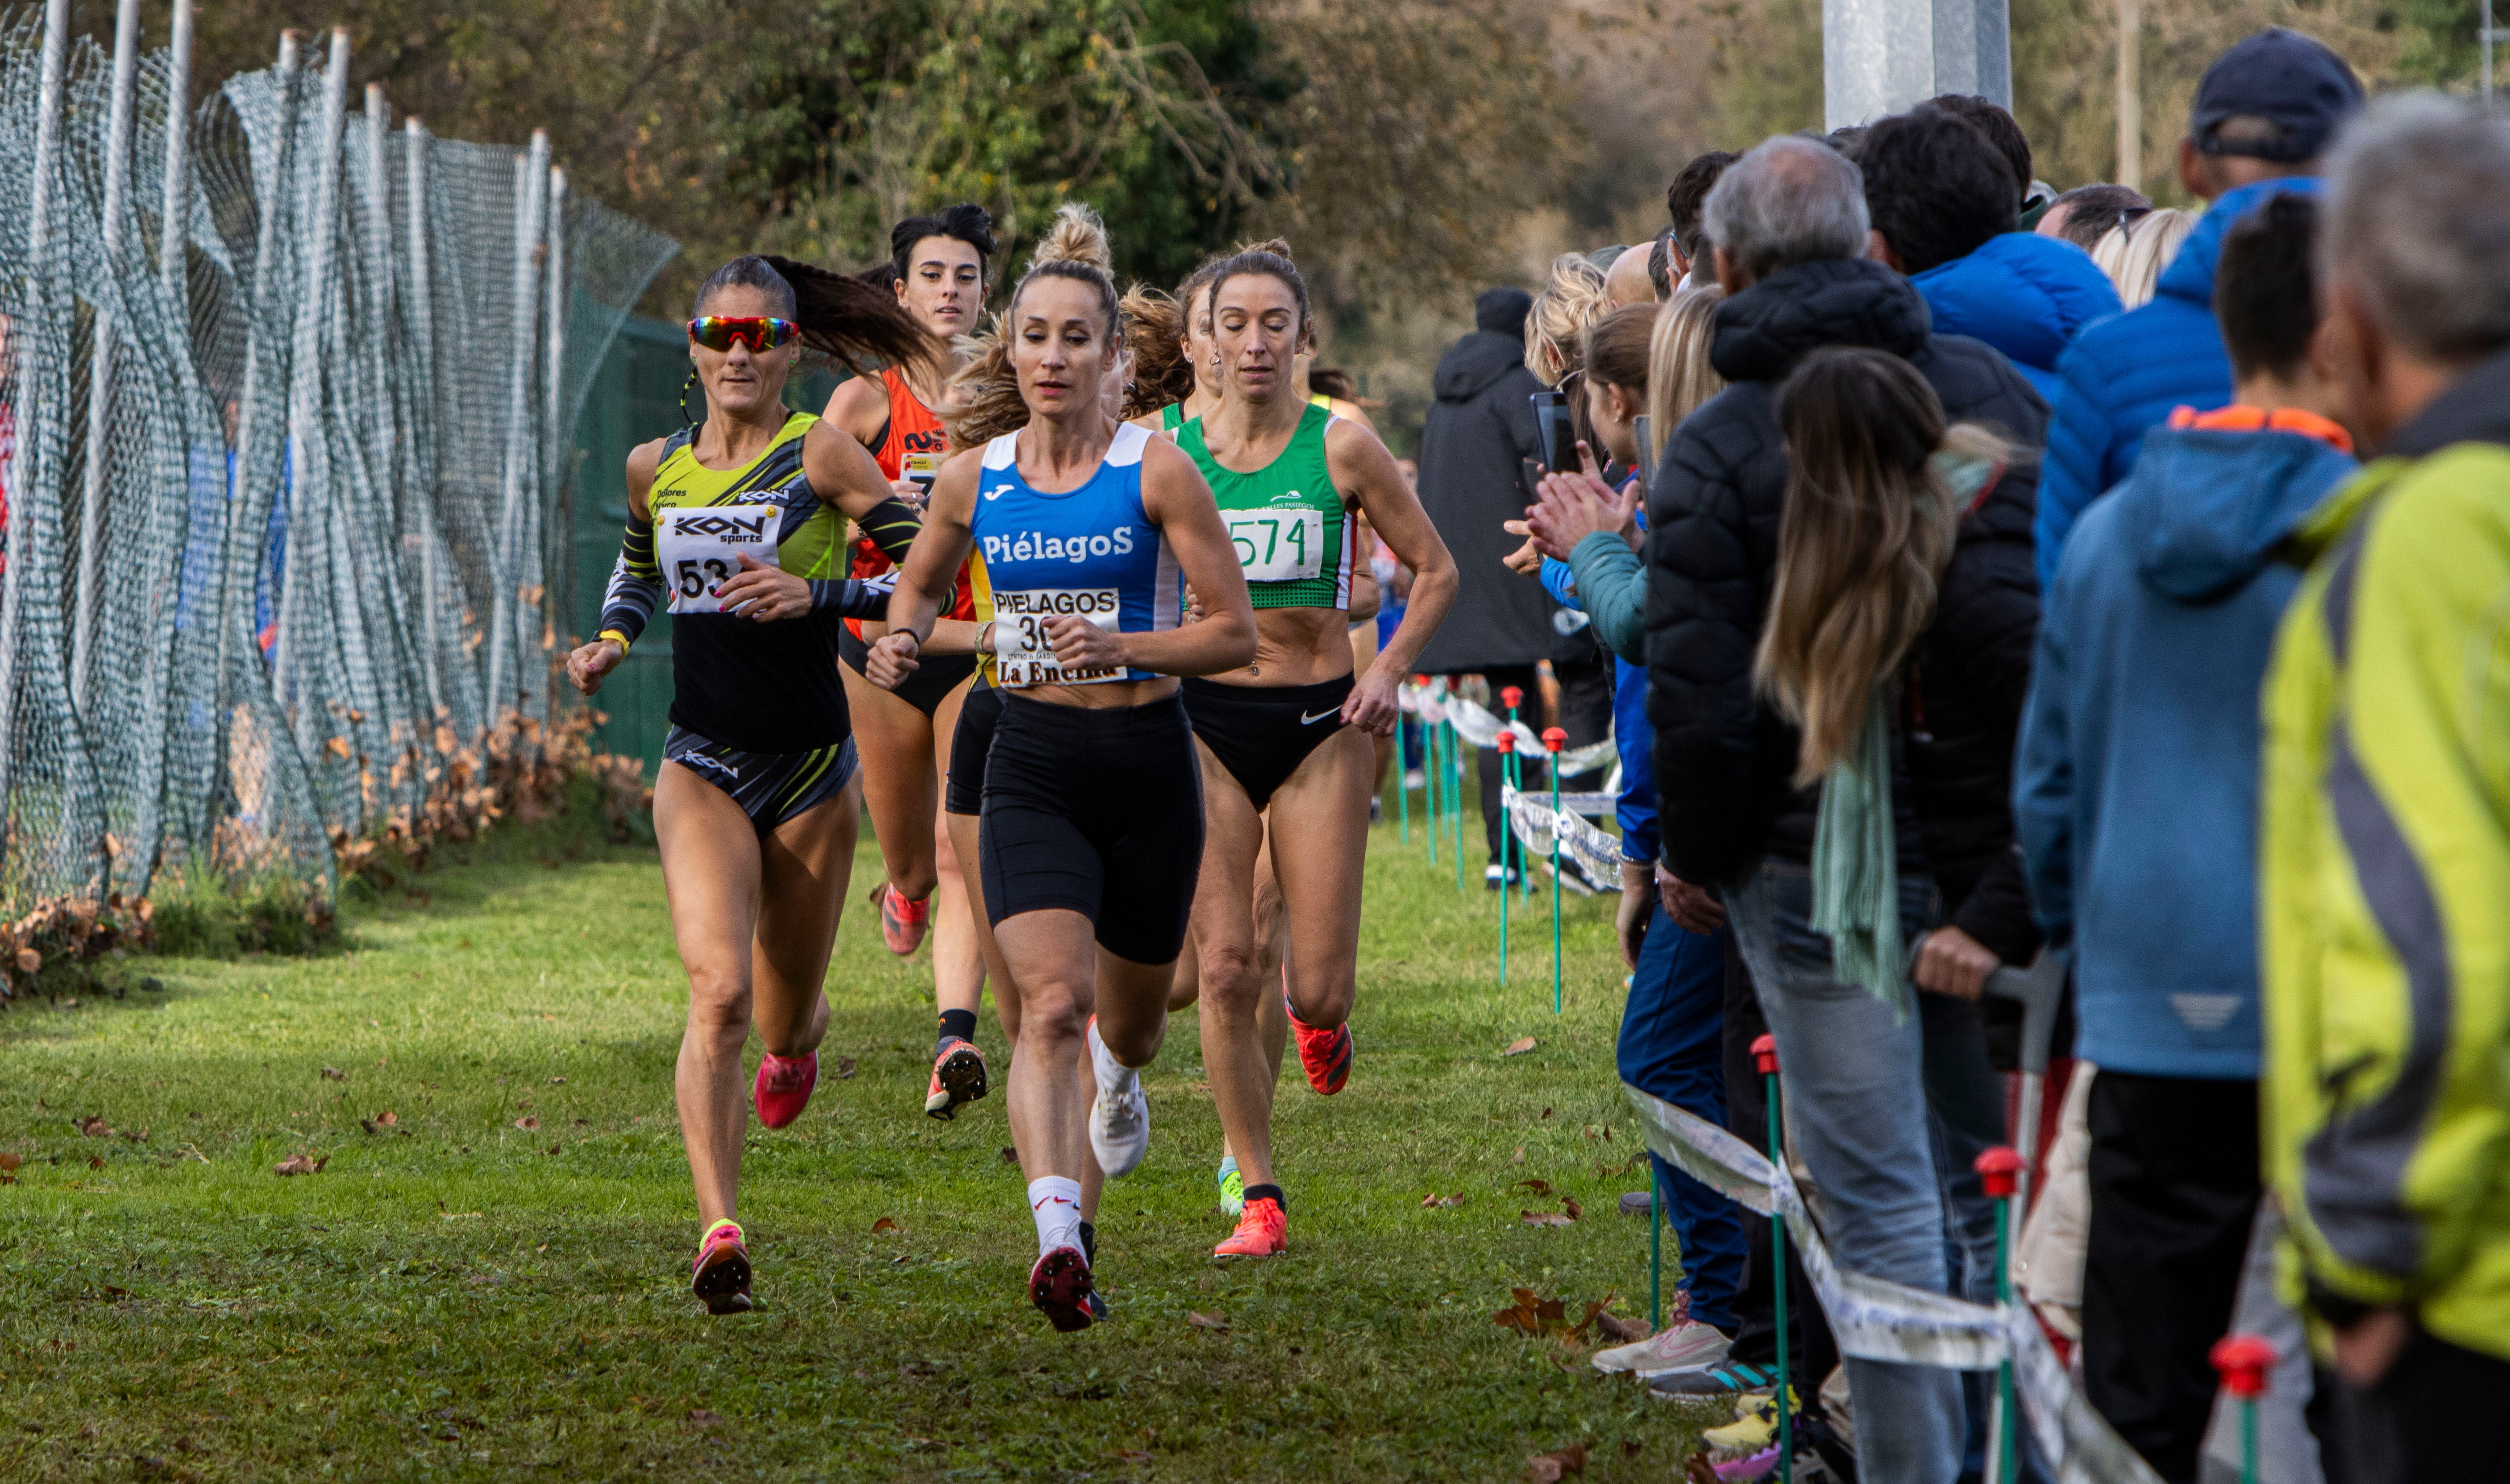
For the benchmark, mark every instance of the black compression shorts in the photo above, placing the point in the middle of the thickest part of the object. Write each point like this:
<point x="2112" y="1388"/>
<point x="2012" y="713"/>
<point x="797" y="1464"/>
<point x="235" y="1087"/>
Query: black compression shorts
<point x="1097" y="811"/>
<point x="1262" y="733"/>
<point x="978" y="715"/>
<point x="770" y="787"/>
<point x="934" y="677"/>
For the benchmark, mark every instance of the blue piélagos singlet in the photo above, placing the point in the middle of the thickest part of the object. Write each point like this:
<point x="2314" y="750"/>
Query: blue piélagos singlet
<point x="1091" y="553"/>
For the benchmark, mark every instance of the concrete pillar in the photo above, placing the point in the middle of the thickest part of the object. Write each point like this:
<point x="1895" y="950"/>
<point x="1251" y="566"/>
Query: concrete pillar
<point x="1879" y="57"/>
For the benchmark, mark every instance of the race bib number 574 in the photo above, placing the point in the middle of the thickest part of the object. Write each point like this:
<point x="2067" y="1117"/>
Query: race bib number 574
<point x="1023" y="653"/>
<point x="699" y="550"/>
<point x="1278" y="545"/>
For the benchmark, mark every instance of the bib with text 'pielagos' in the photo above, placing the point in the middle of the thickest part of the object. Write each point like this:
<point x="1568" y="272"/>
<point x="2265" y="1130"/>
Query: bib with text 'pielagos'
<point x="1089" y="553"/>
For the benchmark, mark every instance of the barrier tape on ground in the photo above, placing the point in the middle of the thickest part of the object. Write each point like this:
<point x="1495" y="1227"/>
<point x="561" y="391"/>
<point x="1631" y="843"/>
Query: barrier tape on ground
<point x="1475" y="723"/>
<point x="1531" y="816"/>
<point x="1875" y="1319"/>
<point x="1592" y="805"/>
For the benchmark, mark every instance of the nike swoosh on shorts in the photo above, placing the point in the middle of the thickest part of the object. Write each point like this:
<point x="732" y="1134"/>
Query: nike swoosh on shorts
<point x="1305" y="720"/>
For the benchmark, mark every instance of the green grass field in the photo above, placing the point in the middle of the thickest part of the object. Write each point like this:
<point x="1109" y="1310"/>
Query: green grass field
<point x="487" y="1279"/>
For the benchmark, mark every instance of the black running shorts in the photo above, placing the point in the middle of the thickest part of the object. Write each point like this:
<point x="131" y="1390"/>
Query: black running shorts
<point x="1262" y="733"/>
<point x="978" y="715"/>
<point x="935" y="675"/>
<point x="770" y="787"/>
<point x="1097" y="811"/>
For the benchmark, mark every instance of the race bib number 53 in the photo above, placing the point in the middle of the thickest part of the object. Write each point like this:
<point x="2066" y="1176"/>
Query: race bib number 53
<point x="1278" y="545"/>
<point x="699" y="550"/>
<point x="1023" y="653"/>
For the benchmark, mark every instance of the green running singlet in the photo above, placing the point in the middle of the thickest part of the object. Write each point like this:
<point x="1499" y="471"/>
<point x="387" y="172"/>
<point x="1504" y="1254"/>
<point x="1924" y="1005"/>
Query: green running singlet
<point x="1286" y="519"/>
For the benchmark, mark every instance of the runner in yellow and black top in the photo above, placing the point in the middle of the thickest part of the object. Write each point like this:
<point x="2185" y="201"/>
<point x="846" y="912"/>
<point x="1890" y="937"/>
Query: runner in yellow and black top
<point x="738" y="525"/>
<point x="937" y="272"/>
<point x="1283" y="742"/>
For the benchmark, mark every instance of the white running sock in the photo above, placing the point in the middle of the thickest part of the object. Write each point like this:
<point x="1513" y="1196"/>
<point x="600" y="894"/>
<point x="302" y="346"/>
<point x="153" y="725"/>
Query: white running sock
<point x="1114" y="1078"/>
<point x="1055" y="1201"/>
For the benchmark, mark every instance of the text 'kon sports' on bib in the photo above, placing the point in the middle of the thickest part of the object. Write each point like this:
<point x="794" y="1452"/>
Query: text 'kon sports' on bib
<point x="701" y="547"/>
<point x="1280" y="545"/>
<point x="1023" y="653"/>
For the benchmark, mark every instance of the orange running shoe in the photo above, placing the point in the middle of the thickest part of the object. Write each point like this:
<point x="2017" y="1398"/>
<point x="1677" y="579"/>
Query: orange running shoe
<point x="958" y="1077"/>
<point x="902" y="922"/>
<point x="783" y="1087"/>
<point x="1324" y="1055"/>
<point x="1263" y="1231"/>
<point x="721" y="1274"/>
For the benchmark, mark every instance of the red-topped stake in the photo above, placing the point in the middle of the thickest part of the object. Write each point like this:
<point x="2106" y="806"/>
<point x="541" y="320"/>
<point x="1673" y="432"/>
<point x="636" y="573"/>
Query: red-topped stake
<point x="1422" y="680"/>
<point x="1507" y="742"/>
<point x="2243" y="1361"/>
<point x="2000" y="1168"/>
<point x="1765" y="1055"/>
<point x="1510" y="696"/>
<point x="1553" y="738"/>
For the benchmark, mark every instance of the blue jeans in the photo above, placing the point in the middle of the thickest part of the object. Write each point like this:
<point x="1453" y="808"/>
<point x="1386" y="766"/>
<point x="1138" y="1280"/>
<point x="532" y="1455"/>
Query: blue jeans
<point x="1670" y="1046"/>
<point x="1853" y="1078"/>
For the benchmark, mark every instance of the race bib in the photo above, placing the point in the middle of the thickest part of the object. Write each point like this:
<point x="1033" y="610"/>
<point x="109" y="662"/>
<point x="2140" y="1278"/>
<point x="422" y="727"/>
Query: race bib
<point x="922" y="467"/>
<point x="1023" y="655"/>
<point x="1278" y="545"/>
<point x="699" y="550"/>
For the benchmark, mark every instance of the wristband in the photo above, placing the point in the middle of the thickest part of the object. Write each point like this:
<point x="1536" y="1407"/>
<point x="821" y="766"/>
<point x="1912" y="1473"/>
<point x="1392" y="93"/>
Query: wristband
<point x="615" y="636"/>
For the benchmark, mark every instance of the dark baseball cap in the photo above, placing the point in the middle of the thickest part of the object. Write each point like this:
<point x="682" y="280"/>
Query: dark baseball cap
<point x="2290" y="81"/>
<point x="1503" y="311"/>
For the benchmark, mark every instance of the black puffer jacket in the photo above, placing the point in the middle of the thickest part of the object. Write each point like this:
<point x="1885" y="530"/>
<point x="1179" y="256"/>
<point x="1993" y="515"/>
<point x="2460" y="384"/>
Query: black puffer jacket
<point x="1473" y="448"/>
<point x="1960" y="709"/>
<point x="1723" y="759"/>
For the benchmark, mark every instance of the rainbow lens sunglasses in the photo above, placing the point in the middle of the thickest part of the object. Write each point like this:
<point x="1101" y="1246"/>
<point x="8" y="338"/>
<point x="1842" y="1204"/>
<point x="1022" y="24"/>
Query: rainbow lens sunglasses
<point x="760" y="333"/>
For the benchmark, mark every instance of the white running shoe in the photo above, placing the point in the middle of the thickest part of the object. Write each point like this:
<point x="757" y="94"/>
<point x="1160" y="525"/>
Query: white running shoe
<point x="1682" y="1346"/>
<point x="1119" y="1119"/>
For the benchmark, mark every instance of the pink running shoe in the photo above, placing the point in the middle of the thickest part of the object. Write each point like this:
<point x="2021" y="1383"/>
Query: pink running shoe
<point x="720" y="1276"/>
<point x="903" y="923"/>
<point x="1059" y="1286"/>
<point x="783" y="1087"/>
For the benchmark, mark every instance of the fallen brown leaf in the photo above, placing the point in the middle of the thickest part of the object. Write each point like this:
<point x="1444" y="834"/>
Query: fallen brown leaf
<point x="1519" y="1046"/>
<point x="1520" y="1155"/>
<point x="701" y="1417"/>
<point x="96" y="1128"/>
<point x="1548" y="1468"/>
<point x="1538" y="1187"/>
<point x="141" y="1137"/>
<point x="1570" y="1204"/>
<point x="386" y="1119"/>
<point x="1133" y="1455"/>
<point x="300" y="1164"/>
<point x="95" y="1161"/>
<point x="527" y="1123"/>
<point x="845" y="1068"/>
<point x="1631" y="1447"/>
<point x="1010" y="1156"/>
<point x="1543" y="1218"/>
<point x="9" y="1162"/>
<point x="334" y="1075"/>
<point x="1435" y="1201"/>
<point x="885" y="1223"/>
<point x="555" y="1081"/>
<point x="1207" y="1321"/>
<point x="1621" y="1331"/>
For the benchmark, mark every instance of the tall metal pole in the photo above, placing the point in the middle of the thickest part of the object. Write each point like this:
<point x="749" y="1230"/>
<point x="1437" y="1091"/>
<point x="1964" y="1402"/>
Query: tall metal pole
<point x="531" y="200"/>
<point x="28" y="457"/>
<point x="99" y="397"/>
<point x="422" y="320"/>
<point x="2130" y="93"/>
<point x="557" y="434"/>
<point x="311" y="496"/>
<point x="173" y="229"/>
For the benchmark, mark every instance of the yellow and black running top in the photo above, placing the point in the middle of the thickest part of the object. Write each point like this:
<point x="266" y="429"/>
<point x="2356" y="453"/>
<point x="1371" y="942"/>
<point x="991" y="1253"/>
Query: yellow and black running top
<point x="769" y="687"/>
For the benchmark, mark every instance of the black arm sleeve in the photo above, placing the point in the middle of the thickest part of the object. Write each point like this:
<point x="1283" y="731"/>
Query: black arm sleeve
<point x="891" y="525"/>
<point x="852" y="598"/>
<point x="636" y="583"/>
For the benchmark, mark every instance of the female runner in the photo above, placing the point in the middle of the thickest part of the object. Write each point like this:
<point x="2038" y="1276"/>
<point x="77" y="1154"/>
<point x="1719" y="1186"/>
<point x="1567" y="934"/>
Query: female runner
<point x="1283" y="742"/>
<point x="736" y="524"/>
<point x="1086" y="530"/>
<point x="937" y="271"/>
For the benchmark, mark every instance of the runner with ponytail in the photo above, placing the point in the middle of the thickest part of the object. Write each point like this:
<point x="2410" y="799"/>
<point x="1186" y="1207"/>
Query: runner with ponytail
<point x="736" y="524"/>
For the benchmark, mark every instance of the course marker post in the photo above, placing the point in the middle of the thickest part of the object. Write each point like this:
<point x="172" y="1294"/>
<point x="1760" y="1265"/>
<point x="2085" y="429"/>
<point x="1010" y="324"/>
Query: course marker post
<point x="2000" y="1172"/>
<point x="2244" y="1362"/>
<point x="1428" y="774"/>
<point x="1456" y="795"/>
<point x="1512" y="696"/>
<point x="1506" y="843"/>
<point x="1553" y="738"/>
<point x="1402" y="790"/>
<point x="1765" y="1053"/>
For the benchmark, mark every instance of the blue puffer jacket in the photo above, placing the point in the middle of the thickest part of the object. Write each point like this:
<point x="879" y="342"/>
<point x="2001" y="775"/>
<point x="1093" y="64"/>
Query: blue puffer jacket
<point x="2028" y="296"/>
<point x="2127" y="374"/>
<point x="2135" y="792"/>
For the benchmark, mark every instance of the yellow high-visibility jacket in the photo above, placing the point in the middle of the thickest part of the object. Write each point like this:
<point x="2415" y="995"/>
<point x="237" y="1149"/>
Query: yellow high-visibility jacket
<point x="2384" y="882"/>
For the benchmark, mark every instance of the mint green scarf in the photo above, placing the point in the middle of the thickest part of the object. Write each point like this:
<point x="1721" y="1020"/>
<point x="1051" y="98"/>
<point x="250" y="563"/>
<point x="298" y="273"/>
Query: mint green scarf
<point x="1855" y="865"/>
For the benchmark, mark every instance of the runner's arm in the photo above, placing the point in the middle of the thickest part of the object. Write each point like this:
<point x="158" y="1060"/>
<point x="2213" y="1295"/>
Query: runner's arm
<point x="927" y="572"/>
<point x="635" y="582"/>
<point x="1362" y="465"/>
<point x="846" y="477"/>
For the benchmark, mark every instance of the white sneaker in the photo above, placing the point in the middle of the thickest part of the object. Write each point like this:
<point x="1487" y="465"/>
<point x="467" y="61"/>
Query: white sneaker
<point x="1119" y="1119"/>
<point x="1683" y="1345"/>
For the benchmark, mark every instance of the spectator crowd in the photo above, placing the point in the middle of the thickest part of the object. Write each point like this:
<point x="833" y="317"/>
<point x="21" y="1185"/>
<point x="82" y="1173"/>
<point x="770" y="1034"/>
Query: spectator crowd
<point x="1971" y="571"/>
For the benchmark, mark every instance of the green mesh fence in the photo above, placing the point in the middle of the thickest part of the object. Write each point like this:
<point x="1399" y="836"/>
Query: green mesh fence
<point x="287" y="394"/>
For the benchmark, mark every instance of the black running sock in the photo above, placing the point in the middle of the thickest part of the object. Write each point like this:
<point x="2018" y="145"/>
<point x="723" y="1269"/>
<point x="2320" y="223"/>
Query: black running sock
<point x="960" y="1023"/>
<point x="1272" y="1193"/>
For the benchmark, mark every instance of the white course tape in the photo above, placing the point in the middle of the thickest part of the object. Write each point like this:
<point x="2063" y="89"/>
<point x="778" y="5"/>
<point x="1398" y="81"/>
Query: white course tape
<point x="1536" y="823"/>
<point x="1874" y="1319"/>
<point x="1475" y="723"/>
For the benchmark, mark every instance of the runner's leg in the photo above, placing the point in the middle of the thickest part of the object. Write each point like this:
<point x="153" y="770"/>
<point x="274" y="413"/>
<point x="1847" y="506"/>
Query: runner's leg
<point x="1324" y="808"/>
<point x="895" y="741"/>
<point x="1232" y="986"/>
<point x="959" y="961"/>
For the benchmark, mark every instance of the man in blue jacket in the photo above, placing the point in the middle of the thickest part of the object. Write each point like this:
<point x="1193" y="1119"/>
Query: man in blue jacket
<point x="2263" y="114"/>
<point x="2135" y="801"/>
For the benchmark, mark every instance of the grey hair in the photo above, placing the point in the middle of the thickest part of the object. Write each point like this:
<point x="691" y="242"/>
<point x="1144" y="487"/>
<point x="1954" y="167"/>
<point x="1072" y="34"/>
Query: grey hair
<point x="2419" y="223"/>
<point x="1790" y="201"/>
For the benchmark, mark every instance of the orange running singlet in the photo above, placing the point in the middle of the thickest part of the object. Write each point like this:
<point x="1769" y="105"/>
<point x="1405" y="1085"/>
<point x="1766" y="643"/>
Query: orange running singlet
<point x="911" y="447"/>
